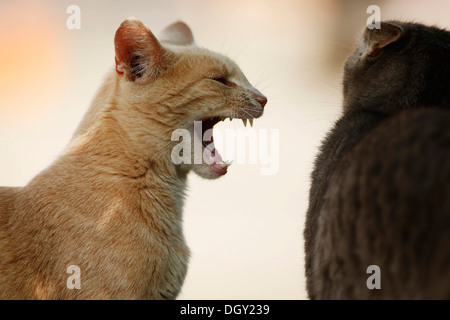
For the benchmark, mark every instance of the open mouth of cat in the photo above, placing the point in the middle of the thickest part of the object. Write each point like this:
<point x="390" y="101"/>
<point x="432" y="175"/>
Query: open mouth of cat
<point x="203" y="132"/>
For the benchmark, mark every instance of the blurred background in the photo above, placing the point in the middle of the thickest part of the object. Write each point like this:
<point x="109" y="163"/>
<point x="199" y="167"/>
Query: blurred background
<point x="245" y="229"/>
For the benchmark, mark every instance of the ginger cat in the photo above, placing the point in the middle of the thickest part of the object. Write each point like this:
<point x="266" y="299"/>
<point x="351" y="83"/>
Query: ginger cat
<point x="111" y="204"/>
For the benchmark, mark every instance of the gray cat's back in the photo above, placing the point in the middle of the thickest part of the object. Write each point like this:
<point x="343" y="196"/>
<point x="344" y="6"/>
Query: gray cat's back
<point x="379" y="199"/>
<point x="388" y="204"/>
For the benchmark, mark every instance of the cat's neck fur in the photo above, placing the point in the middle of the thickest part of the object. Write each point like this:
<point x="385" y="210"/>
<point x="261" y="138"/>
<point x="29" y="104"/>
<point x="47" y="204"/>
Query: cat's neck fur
<point x="140" y="151"/>
<point x="125" y="157"/>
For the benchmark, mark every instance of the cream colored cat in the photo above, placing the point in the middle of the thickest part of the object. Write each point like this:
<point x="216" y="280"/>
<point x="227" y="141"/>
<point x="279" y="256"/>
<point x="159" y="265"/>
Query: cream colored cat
<point x="111" y="204"/>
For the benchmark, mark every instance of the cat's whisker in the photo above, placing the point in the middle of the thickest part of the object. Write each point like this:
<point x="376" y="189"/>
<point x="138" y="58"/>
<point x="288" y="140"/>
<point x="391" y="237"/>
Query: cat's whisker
<point x="264" y="85"/>
<point x="261" y="76"/>
<point x="224" y="41"/>
<point x="247" y="113"/>
<point x="238" y="55"/>
<point x="342" y="45"/>
<point x="328" y="85"/>
<point x="249" y="109"/>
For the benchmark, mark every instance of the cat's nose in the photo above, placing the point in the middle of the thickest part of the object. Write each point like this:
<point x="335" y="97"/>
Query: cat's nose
<point x="261" y="99"/>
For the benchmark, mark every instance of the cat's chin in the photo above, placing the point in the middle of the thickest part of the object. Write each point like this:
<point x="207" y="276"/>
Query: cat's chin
<point x="209" y="171"/>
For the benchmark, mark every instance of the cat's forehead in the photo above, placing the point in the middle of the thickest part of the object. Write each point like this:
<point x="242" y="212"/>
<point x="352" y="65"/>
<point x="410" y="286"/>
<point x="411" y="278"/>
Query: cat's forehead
<point x="205" y="58"/>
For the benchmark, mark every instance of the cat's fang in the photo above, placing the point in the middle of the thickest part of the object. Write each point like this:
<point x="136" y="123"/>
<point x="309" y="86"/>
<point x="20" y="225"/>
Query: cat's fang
<point x="223" y="165"/>
<point x="245" y="122"/>
<point x="251" y="122"/>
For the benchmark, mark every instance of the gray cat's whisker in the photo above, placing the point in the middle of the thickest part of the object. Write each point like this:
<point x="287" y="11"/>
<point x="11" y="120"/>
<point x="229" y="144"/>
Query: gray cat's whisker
<point x="328" y="85"/>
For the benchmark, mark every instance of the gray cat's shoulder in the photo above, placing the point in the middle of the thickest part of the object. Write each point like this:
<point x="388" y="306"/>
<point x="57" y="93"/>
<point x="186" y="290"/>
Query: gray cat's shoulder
<point x="387" y="204"/>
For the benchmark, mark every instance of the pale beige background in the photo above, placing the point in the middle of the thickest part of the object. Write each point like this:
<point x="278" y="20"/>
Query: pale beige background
<point x="244" y="230"/>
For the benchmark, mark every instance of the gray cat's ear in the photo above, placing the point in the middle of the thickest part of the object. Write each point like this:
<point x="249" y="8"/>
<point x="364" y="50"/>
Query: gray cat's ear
<point x="139" y="55"/>
<point x="177" y="33"/>
<point x="376" y="39"/>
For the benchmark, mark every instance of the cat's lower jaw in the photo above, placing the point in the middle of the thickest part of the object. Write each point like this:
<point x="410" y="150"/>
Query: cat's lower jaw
<point x="208" y="171"/>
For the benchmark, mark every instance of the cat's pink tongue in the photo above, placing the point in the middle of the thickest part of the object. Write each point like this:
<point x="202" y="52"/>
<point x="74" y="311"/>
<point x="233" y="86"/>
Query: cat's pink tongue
<point x="217" y="164"/>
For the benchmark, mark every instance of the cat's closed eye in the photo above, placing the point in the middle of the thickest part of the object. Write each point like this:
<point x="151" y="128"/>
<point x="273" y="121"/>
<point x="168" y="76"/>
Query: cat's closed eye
<point x="222" y="80"/>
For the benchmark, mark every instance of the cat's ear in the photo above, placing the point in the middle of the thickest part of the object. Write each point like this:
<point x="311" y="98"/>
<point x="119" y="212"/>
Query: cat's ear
<point x="177" y="33"/>
<point x="139" y="55"/>
<point x="377" y="39"/>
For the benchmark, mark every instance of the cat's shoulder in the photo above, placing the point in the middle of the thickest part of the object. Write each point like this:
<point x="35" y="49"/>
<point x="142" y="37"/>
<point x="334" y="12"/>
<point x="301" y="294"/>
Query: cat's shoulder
<point x="411" y="128"/>
<point x="411" y="145"/>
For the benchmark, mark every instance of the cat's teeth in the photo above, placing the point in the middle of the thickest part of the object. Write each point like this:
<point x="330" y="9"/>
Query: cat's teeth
<point x="225" y="164"/>
<point x="251" y="122"/>
<point x="245" y="122"/>
<point x="222" y="165"/>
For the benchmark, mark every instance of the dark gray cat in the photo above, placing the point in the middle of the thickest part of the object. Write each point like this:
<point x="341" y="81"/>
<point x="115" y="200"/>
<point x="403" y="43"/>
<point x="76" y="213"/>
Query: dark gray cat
<point x="380" y="192"/>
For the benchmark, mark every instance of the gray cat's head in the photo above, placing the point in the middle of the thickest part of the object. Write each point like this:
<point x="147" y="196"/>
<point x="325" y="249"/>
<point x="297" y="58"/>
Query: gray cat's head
<point x="397" y="67"/>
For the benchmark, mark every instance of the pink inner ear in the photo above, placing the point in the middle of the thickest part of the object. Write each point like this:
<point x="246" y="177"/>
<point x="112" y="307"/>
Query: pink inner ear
<point x="375" y="49"/>
<point x="133" y="39"/>
<point x="126" y="40"/>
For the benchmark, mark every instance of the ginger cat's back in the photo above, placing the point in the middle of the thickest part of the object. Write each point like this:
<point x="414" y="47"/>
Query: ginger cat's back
<point x="8" y="196"/>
